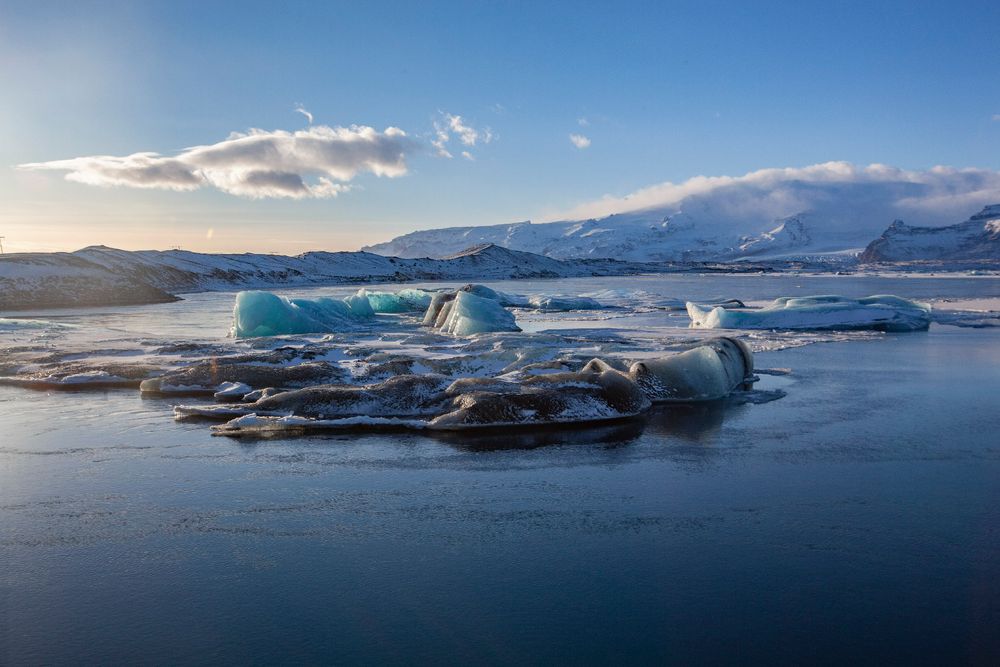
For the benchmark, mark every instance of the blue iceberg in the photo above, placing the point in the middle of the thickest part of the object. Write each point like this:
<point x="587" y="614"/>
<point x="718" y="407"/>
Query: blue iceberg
<point x="404" y="301"/>
<point x="266" y="314"/>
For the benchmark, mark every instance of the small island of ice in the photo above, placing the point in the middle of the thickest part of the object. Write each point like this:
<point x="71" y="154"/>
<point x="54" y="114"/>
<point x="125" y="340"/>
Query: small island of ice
<point x="879" y="313"/>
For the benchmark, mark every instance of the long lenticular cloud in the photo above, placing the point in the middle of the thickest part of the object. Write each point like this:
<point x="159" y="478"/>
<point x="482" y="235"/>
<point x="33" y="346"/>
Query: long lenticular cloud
<point x="316" y="162"/>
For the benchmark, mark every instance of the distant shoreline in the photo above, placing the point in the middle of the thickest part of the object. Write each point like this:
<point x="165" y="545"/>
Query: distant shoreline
<point x="100" y="276"/>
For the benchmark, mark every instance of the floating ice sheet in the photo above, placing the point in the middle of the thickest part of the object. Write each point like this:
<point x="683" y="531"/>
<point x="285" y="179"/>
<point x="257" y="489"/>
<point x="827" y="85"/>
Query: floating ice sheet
<point x="558" y="303"/>
<point x="879" y="313"/>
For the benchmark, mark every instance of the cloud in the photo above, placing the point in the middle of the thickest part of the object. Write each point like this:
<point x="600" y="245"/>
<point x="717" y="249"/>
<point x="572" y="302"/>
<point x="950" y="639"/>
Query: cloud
<point x="582" y="121"/>
<point x="579" y="141"/>
<point x="838" y="190"/>
<point x="305" y="112"/>
<point x="316" y="162"/>
<point x="996" y="117"/>
<point x="448" y="125"/>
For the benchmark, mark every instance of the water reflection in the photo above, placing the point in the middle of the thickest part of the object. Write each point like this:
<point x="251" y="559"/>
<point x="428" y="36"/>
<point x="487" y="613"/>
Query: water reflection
<point x="619" y="434"/>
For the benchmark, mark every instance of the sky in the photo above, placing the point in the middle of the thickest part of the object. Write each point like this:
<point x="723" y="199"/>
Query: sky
<point x="294" y="126"/>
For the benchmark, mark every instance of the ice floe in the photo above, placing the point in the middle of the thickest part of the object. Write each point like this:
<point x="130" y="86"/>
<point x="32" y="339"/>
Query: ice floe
<point x="879" y="313"/>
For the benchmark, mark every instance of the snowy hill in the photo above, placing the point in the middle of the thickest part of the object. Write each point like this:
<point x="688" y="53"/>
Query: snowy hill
<point x="795" y="212"/>
<point x="978" y="238"/>
<point x="99" y="275"/>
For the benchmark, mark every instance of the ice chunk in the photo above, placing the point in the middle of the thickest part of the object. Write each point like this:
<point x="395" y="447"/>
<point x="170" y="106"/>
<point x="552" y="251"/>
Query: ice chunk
<point x="204" y="377"/>
<point x="482" y="291"/>
<point x="403" y="301"/>
<point x="231" y="390"/>
<point x="547" y="399"/>
<point x="710" y="371"/>
<point x="542" y="302"/>
<point x="435" y="307"/>
<point x="401" y="396"/>
<point x="255" y="425"/>
<point x="467" y="314"/>
<point x="880" y="313"/>
<point x="267" y="314"/>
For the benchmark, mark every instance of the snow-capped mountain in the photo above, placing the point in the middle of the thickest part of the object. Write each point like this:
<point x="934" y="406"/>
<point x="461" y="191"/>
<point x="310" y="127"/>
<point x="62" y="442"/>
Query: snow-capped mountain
<point x="825" y="208"/>
<point x="978" y="238"/>
<point x="99" y="275"/>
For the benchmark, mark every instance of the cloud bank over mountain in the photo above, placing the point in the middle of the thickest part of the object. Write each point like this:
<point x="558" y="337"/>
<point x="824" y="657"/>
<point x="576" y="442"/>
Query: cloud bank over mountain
<point x="829" y="207"/>
<point x="775" y="193"/>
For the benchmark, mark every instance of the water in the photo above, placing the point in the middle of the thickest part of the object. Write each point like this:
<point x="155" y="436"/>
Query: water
<point x="855" y="519"/>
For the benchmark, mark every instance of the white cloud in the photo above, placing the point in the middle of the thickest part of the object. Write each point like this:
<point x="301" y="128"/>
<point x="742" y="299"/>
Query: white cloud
<point x="468" y="156"/>
<point x="579" y="141"/>
<point x="305" y="112"/>
<point x="316" y="162"/>
<point x="448" y="125"/>
<point x="996" y="116"/>
<point x="582" y="121"/>
<point x="932" y="196"/>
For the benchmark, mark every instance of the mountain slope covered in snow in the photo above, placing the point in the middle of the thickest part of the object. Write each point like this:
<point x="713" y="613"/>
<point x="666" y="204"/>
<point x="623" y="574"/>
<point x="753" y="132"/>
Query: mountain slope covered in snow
<point x="99" y="275"/>
<point x="827" y="208"/>
<point x="978" y="238"/>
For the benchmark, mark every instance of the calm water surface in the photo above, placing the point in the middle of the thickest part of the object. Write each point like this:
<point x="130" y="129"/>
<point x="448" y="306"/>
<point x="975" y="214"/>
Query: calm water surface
<point x="857" y="519"/>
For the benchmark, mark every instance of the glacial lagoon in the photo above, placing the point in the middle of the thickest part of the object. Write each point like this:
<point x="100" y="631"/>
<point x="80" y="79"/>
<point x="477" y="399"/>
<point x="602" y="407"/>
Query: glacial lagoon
<point x="858" y="501"/>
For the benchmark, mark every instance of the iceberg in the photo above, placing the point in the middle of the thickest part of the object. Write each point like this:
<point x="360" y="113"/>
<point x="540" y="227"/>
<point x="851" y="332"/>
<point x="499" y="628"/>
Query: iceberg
<point x="710" y="371"/>
<point x="600" y="391"/>
<point x="560" y="398"/>
<point x="228" y="391"/>
<point x="465" y="314"/>
<point x="266" y="314"/>
<point x="404" y="301"/>
<point x="557" y="303"/>
<point x="827" y="312"/>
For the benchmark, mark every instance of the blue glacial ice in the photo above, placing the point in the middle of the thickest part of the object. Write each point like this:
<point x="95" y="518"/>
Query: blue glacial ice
<point x="880" y="313"/>
<point x="404" y="301"/>
<point x="267" y="314"/>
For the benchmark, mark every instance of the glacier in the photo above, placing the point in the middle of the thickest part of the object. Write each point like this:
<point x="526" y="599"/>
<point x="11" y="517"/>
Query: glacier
<point x="878" y="313"/>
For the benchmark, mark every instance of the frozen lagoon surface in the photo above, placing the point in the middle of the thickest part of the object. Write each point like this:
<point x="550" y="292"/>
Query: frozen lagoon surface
<point x="855" y="519"/>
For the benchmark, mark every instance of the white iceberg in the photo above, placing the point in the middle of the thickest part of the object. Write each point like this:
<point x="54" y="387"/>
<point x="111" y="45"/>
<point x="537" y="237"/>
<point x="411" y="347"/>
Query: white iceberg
<point x="231" y="391"/>
<point x="266" y="314"/>
<point x="880" y="313"/>
<point x="468" y="314"/>
<point x="710" y="371"/>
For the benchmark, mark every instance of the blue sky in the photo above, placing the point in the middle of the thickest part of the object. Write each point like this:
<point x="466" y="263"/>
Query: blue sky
<point x="666" y="91"/>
